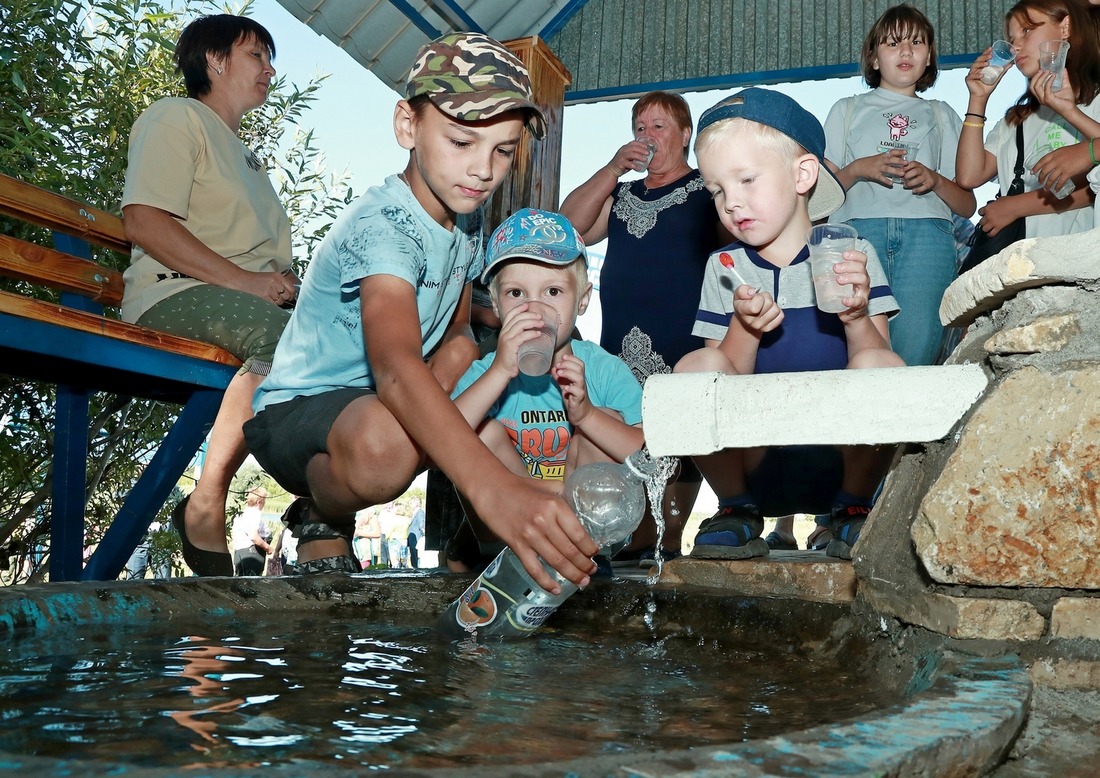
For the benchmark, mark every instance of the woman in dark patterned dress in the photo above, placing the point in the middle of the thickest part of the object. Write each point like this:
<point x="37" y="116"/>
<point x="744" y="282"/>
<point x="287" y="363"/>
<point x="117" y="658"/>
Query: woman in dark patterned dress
<point x="660" y="229"/>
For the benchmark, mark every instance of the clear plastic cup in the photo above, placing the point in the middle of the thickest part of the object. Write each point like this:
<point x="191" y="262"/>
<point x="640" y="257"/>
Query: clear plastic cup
<point x="1032" y="160"/>
<point x="534" y="356"/>
<point x="1052" y="59"/>
<point x="909" y="151"/>
<point x="999" y="59"/>
<point x="651" y="145"/>
<point x="827" y="244"/>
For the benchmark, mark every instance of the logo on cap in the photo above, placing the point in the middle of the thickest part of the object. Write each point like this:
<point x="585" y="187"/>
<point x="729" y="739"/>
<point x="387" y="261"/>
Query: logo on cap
<point x="541" y="236"/>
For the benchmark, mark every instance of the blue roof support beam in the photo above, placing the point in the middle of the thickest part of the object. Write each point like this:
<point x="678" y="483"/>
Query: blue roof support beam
<point x="456" y="15"/>
<point x="416" y="18"/>
<point x="563" y="16"/>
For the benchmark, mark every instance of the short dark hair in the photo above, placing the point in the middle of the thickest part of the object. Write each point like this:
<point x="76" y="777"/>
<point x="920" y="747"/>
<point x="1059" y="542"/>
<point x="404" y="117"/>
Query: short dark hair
<point x="901" y="21"/>
<point x="672" y="104"/>
<point x="215" y="35"/>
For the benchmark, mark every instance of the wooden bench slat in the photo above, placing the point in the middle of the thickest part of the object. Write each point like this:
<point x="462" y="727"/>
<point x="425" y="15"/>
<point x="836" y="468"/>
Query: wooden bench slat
<point x="53" y="313"/>
<point x="33" y="204"/>
<point x="57" y="270"/>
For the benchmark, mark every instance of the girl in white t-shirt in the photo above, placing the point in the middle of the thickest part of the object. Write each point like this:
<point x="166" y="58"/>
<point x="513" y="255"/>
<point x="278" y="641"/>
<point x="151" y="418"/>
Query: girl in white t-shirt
<point x="895" y="154"/>
<point x="1063" y="118"/>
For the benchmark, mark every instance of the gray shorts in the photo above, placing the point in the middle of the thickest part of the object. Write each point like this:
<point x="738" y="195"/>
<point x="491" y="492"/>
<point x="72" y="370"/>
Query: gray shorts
<point x="241" y="323"/>
<point x="797" y="479"/>
<point x="285" y="436"/>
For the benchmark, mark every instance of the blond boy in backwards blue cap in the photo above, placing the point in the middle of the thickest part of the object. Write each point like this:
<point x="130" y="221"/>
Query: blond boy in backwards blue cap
<point x="588" y="406"/>
<point x="762" y="158"/>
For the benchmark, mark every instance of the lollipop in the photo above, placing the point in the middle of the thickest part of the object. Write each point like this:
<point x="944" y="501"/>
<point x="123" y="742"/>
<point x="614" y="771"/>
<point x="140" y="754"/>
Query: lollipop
<point x="727" y="261"/>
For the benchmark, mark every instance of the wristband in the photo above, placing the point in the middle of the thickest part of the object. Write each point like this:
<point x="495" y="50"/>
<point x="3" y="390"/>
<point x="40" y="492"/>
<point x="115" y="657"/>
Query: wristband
<point x="979" y="125"/>
<point x="976" y="115"/>
<point x="1092" y="154"/>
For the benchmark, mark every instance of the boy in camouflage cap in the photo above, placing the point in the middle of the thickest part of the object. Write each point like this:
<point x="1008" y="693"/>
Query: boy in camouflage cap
<point x="357" y="402"/>
<point x="470" y="76"/>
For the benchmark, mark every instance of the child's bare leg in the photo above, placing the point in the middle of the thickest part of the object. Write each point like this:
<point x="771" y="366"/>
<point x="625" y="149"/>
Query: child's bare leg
<point x="370" y="460"/>
<point x="704" y="360"/>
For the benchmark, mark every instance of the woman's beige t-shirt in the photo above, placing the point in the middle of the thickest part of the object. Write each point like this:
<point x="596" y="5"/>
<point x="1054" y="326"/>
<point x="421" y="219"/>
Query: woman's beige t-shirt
<point x="185" y="160"/>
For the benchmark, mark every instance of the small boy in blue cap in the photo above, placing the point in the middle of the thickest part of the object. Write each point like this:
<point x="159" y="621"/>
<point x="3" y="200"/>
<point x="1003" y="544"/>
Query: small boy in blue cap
<point x="762" y="159"/>
<point x="588" y="406"/>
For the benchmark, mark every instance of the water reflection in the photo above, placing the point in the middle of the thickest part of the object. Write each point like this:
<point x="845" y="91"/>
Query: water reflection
<point x="312" y="692"/>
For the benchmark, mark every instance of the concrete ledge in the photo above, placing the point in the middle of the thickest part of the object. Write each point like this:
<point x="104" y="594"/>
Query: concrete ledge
<point x="1064" y="259"/>
<point x="700" y="413"/>
<point x="803" y="575"/>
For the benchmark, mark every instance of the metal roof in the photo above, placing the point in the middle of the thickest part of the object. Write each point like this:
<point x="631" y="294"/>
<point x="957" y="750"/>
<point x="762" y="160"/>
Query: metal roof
<point x="619" y="48"/>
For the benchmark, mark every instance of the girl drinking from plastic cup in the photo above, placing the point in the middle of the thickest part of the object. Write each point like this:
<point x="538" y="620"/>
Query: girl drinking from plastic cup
<point x="895" y="153"/>
<point x="1064" y="119"/>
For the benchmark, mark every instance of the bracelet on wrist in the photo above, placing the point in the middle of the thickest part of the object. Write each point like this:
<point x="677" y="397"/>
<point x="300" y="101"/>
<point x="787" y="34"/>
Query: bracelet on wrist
<point x="979" y="125"/>
<point x="975" y="115"/>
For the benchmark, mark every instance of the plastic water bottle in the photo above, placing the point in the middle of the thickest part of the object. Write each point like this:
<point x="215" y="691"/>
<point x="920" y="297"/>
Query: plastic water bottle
<point x="505" y="601"/>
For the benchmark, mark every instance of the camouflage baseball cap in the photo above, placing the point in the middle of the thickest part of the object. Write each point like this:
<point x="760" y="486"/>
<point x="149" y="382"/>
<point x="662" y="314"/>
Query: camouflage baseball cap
<point x="470" y="76"/>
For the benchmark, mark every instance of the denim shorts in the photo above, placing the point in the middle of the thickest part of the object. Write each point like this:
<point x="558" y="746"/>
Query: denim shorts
<point x="285" y="436"/>
<point x="918" y="257"/>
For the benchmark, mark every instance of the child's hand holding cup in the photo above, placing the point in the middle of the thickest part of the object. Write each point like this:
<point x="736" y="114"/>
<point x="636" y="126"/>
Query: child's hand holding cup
<point x="534" y="356"/>
<point x="1001" y="55"/>
<point x="827" y="244"/>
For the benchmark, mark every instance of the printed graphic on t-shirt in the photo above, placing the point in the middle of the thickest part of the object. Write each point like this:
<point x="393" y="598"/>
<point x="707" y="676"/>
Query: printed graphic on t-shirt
<point x="542" y="438"/>
<point x="898" y="125"/>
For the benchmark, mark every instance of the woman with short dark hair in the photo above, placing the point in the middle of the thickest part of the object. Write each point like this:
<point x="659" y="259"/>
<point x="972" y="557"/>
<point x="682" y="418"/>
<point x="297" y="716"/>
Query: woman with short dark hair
<point x="212" y="247"/>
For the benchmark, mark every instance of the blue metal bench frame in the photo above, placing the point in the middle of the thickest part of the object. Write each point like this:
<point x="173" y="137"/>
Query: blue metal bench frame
<point x="80" y="363"/>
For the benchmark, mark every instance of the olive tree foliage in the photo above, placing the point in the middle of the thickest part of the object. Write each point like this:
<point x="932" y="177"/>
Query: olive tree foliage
<point x="74" y="75"/>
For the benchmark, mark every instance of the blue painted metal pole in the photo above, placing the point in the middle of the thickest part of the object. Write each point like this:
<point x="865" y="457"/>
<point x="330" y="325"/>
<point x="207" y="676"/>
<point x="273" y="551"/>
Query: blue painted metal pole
<point x="70" y="462"/>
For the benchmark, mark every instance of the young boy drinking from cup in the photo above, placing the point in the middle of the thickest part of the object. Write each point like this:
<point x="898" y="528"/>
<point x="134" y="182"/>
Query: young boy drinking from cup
<point x="762" y="158"/>
<point x="587" y="404"/>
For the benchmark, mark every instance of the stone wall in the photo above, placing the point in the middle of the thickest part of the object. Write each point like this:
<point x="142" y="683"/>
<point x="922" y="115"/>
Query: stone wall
<point x="994" y="533"/>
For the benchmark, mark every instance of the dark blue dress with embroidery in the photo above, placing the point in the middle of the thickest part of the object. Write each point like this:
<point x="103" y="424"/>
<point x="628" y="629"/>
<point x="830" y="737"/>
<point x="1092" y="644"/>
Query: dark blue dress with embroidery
<point x="657" y="249"/>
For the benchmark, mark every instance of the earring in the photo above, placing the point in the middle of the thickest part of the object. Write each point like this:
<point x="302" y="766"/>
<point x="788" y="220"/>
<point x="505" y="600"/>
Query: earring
<point x="218" y="71"/>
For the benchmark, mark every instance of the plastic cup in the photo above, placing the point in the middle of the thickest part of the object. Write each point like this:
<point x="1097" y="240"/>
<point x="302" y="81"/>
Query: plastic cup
<point x="999" y="59"/>
<point x="827" y="243"/>
<point x="1033" y="159"/>
<point x="909" y="151"/>
<point x="534" y="356"/>
<point x="651" y="145"/>
<point x="1052" y="59"/>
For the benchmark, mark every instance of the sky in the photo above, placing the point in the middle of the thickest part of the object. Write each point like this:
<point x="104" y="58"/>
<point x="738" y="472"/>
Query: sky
<point x="352" y="117"/>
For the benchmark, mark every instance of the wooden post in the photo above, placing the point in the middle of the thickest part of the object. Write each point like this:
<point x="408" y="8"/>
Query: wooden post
<point x="535" y="178"/>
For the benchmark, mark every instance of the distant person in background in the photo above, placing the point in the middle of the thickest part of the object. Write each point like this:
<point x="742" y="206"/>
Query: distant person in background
<point x="146" y="557"/>
<point x="660" y="229"/>
<point x="250" y="547"/>
<point x="416" y="531"/>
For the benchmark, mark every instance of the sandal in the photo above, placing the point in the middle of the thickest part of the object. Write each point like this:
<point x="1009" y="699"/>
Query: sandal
<point x="202" y="562"/>
<point x="846" y="525"/>
<point x="298" y="518"/>
<point x="819" y="539"/>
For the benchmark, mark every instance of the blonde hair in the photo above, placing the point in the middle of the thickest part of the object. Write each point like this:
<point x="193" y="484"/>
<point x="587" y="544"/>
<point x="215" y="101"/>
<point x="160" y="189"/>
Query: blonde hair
<point x="577" y="269"/>
<point x="256" y="497"/>
<point x="736" y="128"/>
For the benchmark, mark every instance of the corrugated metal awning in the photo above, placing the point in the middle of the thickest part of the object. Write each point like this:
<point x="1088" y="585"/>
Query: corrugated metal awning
<point x="619" y="48"/>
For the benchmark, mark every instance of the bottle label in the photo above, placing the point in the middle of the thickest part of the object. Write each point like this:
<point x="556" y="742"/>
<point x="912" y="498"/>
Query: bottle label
<point x="529" y="616"/>
<point x="476" y="607"/>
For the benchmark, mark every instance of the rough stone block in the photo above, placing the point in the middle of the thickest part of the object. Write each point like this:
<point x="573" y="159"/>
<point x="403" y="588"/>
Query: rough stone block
<point x="1066" y="674"/>
<point x="1027" y="263"/>
<point x="966" y="618"/>
<point x="1076" y="617"/>
<point x="802" y="575"/>
<point x="1049" y="333"/>
<point x="1017" y="502"/>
